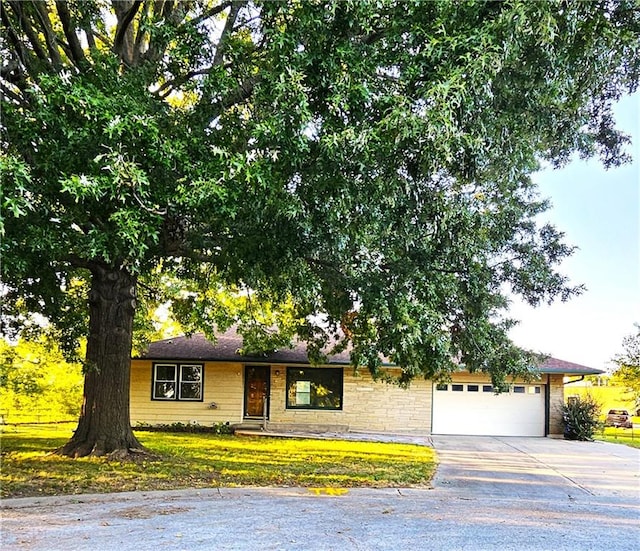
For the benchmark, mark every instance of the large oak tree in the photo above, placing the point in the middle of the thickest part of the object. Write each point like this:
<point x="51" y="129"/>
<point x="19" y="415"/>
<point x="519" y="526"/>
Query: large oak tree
<point x="364" y="163"/>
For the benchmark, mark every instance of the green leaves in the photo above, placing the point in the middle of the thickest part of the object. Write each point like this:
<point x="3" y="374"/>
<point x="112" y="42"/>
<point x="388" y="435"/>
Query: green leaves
<point x="362" y="162"/>
<point x="81" y="187"/>
<point x="628" y="362"/>
<point x="37" y="383"/>
<point x="16" y="181"/>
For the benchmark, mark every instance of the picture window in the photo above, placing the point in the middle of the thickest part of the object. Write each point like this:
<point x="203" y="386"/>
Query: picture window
<point x="314" y="388"/>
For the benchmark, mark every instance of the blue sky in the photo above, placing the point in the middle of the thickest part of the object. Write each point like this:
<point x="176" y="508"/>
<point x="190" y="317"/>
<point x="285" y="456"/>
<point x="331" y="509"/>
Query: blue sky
<point x="599" y="211"/>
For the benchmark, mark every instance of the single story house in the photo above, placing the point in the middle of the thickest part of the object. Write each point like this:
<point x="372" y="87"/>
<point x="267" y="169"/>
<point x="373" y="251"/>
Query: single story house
<point x="191" y="380"/>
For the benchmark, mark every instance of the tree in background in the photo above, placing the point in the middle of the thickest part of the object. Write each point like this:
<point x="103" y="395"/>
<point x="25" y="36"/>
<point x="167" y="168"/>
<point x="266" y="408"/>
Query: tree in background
<point x="628" y="370"/>
<point x="364" y="166"/>
<point x="37" y="383"/>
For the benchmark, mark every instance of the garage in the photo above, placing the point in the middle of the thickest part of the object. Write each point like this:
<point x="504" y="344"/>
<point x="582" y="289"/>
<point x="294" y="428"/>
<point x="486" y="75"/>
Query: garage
<point x="473" y="408"/>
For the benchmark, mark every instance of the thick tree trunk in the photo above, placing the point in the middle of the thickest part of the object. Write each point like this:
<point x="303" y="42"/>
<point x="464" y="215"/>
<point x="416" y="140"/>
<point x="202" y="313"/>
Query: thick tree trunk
<point x="104" y="427"/>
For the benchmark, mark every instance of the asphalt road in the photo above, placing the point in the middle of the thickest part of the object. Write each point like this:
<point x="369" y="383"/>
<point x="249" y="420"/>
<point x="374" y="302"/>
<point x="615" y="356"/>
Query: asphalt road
<point x="489" y="493"/>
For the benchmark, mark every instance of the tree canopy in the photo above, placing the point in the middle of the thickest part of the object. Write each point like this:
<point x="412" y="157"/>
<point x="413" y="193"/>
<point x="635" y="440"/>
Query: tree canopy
<point x="37" y="384"/>
<point x="628" y="362"/>
<point x="364" y="166"/>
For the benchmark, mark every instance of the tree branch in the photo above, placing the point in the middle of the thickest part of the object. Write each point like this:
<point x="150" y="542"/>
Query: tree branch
<point x="153" y="292"/>
<point x="75" y="49"/>
<point x="141" y="33"/>
<point x="12" y="95"/>
<point x="103" y="38"/>
<point x="91" y="41"/>
<point x="178" y="81"/>
<point x="28" y="30"/>
<point x="236" y="6"/>
<point x="162" y="10"/>
<point x="210" y="13"/>
<point x="19" y="49"/>
<point x="122" y="43"/>
<point x="78" y="262"/>
<point x="50" y="36"/>
<point x="317" y="263"/>
<point x="241" y="93"/>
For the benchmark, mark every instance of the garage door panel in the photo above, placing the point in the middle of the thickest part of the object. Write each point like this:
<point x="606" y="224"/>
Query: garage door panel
<point x="519" y="412"/>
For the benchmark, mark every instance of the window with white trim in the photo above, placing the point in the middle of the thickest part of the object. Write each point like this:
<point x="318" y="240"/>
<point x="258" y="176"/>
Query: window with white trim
<point x="173" y="381"/>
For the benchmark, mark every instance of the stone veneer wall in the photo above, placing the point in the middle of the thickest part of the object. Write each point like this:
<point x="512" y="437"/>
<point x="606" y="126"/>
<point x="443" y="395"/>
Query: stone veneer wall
<point x="555" y="388"/>
<point x="368" y="405"/>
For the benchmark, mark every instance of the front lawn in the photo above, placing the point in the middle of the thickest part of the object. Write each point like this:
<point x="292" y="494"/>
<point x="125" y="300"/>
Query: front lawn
<point x="628" y="437"/>
<point x="206" y="460"/>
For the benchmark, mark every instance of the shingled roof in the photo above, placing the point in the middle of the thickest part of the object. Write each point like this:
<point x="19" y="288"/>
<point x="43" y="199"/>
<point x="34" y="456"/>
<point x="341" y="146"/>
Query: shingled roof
<point x="554" y="365"/>
<point x="226" y="347"/>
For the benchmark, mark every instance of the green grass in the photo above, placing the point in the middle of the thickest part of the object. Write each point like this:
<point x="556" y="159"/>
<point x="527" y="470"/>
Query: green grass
<point x="206" y="460"/>
<point x="628" y="437"/>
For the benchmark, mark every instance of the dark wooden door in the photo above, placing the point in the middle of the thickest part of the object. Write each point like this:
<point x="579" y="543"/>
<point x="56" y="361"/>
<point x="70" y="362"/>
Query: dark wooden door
<point x="256" y="390"/>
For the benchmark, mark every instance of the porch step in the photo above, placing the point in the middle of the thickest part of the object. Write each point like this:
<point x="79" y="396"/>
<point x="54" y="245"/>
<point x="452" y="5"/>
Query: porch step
<point x="248" y="425"/>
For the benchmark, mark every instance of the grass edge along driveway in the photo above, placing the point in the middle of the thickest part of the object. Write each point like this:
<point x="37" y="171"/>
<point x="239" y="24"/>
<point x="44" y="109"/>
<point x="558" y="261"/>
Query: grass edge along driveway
<point x="206" y="460"/>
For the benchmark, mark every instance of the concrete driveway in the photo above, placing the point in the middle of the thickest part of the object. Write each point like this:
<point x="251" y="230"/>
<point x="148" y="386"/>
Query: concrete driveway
<point x="536" y="468"/>
<point x="489" y="493"/>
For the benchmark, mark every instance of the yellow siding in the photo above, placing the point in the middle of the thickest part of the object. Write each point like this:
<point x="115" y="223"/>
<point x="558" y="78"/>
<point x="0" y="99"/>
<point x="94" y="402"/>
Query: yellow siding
<point x="222" y="386"/>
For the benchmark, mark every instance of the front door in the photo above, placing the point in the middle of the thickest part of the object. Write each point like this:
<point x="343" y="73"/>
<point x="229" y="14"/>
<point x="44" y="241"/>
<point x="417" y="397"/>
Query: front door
<point x="256" y="390"/>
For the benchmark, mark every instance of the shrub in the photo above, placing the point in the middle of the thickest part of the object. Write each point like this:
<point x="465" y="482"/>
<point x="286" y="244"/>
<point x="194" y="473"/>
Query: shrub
<point x="216" y="428"/>
<point x="580" y="417"/>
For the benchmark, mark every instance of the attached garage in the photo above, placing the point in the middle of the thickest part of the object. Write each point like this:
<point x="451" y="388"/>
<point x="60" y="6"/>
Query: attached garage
<point x="469" y="406"/>
<point x="473" y="408"/>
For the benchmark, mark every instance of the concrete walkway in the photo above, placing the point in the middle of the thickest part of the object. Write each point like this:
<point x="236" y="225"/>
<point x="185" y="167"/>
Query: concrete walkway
<point x="489" y="493"/>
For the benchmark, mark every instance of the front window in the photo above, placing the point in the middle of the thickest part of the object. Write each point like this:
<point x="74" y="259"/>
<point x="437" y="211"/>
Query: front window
<point x="177" y="382"/>
<point x="314" y="388"/>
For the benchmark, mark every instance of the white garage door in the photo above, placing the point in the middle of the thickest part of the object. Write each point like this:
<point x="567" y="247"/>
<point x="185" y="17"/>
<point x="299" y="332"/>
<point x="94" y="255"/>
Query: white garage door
<point x="473" y="408"/>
